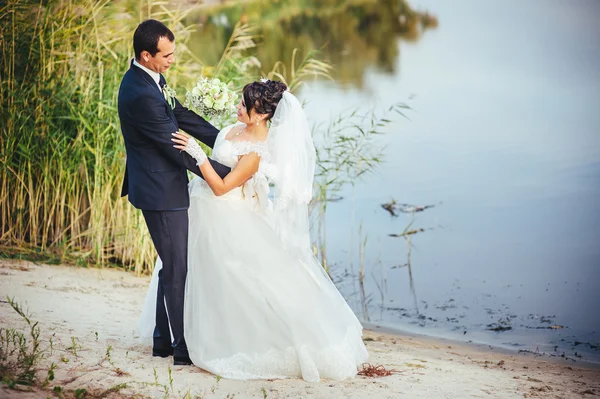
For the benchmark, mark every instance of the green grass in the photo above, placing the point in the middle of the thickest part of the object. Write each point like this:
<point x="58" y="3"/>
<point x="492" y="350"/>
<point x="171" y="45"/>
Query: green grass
<point x="21" y="352"/>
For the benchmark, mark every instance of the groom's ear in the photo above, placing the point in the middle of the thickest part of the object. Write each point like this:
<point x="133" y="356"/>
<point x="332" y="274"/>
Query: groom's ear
<point x="145" y="56"/>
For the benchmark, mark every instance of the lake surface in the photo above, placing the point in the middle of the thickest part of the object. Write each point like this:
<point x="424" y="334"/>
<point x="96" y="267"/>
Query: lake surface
<point x="504" y="140"/>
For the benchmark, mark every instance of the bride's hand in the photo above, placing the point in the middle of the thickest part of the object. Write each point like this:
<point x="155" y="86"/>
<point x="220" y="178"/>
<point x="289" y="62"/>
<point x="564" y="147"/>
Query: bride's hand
<point x="181" y="139"/>
<point x="191" y="146"/>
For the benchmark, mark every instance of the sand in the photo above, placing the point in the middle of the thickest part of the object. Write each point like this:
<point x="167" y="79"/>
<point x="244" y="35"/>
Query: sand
<point x="98" y="309"/>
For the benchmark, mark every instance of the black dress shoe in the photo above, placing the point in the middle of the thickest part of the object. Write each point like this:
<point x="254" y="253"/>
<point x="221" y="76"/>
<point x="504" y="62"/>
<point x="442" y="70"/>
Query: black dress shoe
<point x="181" y="361"/>
<point x="163" y="352"/>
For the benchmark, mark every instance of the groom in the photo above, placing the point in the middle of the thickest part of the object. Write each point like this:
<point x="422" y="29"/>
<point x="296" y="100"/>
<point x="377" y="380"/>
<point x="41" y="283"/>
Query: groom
<point x="155" y="174"/>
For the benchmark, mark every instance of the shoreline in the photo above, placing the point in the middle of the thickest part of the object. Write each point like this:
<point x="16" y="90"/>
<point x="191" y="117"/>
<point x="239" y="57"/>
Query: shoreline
<point x="507" y="350"/>
<point x="96" y="310"/>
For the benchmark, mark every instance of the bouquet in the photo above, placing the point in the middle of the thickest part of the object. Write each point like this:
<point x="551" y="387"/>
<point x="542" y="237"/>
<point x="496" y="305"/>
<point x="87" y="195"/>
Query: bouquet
<point x="211" y="98"/>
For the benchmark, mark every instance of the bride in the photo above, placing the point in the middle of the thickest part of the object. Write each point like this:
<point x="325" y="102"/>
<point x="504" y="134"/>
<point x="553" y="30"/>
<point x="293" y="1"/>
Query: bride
<point x="257" y="302"/>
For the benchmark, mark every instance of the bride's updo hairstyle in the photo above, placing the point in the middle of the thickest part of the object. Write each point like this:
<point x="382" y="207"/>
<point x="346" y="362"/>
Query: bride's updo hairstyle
<point x="263" y="96"/>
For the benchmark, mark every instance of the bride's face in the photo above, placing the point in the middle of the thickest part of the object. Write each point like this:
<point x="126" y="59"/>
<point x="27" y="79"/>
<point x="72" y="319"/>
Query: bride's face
<point x="242" y="114"/>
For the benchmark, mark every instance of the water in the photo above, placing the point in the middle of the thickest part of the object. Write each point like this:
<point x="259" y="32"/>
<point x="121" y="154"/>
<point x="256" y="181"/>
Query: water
<point x="504" y="140"/>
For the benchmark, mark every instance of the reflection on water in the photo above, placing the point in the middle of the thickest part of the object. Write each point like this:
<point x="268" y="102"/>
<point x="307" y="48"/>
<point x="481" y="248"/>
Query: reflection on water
<point x="352" y="35"/>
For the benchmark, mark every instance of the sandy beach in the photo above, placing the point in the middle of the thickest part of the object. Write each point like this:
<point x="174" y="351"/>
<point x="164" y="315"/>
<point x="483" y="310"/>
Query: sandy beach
<point x="97" y="309"/>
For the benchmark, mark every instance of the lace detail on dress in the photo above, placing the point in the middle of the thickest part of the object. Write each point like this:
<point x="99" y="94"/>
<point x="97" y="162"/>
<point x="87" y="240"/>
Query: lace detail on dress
<point x="283" y="201"/>
<point x="227" y="152"/>
<point x="246" y="147"/>
<point x="338" y="361"/>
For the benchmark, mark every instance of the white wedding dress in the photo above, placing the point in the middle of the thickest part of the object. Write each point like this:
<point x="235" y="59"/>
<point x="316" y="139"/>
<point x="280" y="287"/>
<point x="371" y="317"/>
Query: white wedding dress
<point x="253" y="310"/>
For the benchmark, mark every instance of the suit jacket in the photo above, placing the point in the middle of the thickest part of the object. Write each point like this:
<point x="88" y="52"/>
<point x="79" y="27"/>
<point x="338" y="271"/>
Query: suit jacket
<point x="155" y="173"/>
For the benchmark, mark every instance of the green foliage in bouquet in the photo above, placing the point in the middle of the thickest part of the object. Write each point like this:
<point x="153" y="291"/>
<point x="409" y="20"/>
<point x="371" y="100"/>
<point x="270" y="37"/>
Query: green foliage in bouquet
<point x="211" y="98"/>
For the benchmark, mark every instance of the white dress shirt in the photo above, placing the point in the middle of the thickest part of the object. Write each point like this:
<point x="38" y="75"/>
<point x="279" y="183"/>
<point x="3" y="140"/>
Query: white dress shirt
<point x="154" y="75"/>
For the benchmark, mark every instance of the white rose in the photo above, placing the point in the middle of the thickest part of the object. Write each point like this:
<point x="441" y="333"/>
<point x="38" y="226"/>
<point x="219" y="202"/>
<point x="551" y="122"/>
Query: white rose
<point x="208" y="102"/>
<point x="219" y="105"/>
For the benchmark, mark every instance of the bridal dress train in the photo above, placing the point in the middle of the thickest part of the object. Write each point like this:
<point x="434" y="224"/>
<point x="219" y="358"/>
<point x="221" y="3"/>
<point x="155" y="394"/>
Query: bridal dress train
<point x="253" y="309"/>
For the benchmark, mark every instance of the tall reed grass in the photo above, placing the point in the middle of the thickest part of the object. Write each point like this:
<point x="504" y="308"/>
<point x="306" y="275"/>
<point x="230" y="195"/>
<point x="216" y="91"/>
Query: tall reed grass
<point x="61" y="150"/>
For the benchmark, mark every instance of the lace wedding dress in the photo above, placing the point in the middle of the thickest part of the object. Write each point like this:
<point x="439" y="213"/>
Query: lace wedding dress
<point x="253" y="309"/>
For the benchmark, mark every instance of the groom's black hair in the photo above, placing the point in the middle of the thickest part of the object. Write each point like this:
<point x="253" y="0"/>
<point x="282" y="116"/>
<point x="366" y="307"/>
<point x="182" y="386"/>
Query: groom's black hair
<point x="146" y="37"/>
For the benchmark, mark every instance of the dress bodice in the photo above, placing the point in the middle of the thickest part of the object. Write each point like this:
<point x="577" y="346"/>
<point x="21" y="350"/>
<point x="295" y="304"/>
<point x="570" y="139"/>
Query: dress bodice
<point x="227" y="152"/>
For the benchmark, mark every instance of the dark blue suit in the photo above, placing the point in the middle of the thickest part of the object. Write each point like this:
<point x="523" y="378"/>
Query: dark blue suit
<point x="156" y="182"/>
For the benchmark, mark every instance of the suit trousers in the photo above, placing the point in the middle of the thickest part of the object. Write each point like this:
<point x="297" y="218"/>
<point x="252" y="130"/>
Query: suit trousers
<point x="169" y="232"/>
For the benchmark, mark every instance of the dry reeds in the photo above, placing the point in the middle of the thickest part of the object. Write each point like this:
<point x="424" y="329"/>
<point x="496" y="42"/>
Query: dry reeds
<point x="369" y="370"/>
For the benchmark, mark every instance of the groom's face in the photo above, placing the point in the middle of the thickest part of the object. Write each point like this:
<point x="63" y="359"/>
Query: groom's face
<point x="163" y="59"/>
